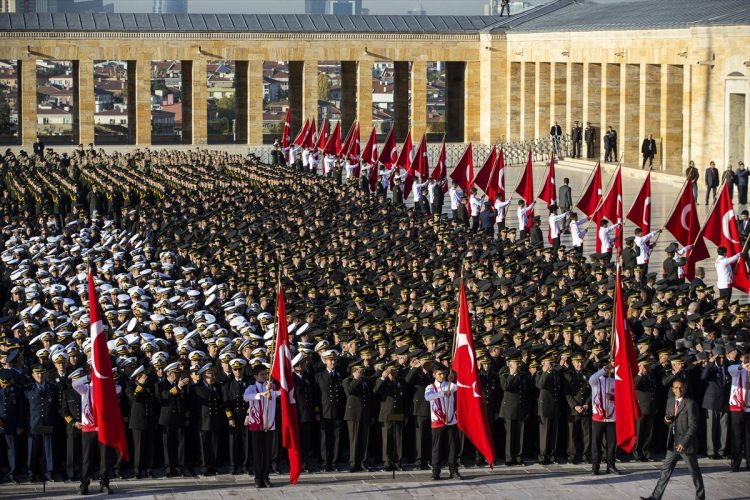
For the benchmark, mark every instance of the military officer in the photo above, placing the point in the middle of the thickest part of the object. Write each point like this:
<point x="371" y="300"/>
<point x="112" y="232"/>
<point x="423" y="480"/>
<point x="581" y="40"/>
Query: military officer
<point x="491" y="394"/>
<point x="514" y="408"/>
<point x="645" y="390"/>
<point x="550" y="393"/>
<point x="307" y="414"/>
<point x="418" y="378"/>
<point x="332" y="402"/>
<point x="389" y="388"/>
<point x="172" y="393"/>
<point x="357" y="414"/>
<point x="236" y="411"/>
<point x="142" y="422"/>
<point x="578" y="395"/>
<point x="13" y="418"/>
<point x="70" y="409"/>
<point x="209" y="398"/>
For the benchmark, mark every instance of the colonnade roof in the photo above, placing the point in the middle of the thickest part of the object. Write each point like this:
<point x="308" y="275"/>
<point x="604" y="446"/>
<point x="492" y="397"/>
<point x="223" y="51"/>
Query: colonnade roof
<point x="556" y="16"/>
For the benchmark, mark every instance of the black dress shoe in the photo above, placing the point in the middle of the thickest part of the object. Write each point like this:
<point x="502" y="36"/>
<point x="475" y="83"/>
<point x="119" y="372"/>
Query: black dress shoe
<point x="83" y="489"/>
<point x="259" y="485"/>
<point x="595" y="472"/>
<point x="647" y="498"/>
<point x="267" y="483"/>
<point x="455" y="475"/>
<point x="355" y="469"/>
<point x="435" y="476"/>
<point x="424" y="466"/>
<point x="614" y="470"/>
<point x="509" y="464"/>
<point x="328" y="468"/>
<point x="104" y="486"/>
<point x="336" y="468"/>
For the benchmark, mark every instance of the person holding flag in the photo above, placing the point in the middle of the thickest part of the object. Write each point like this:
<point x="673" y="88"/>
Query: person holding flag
<point x="441" y="395"/>
<point x="645" y="244"/>
<point x="725" y="272"/>
<point x="261" y="422"/>
<point x="524" y="221"/>
<point x="606" y="237"/>
<point x="603" y="416"/>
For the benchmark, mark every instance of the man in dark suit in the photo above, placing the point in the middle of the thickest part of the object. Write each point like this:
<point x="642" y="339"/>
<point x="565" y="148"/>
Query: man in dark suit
<point x="565" y="197"/>
<point x="682" y="418"/>
<point x="357" y="414"/>
<point x="332" y="402"/>
<point x="555" y="132"/>
<point x="576" y="136"/>
<point x="648" y="150"/>
<point x="744" y="225"/>
<point x="712" y="180"/>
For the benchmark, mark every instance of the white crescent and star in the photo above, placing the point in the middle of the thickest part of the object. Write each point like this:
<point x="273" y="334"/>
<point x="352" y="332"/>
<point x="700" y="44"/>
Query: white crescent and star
<point x="683" y="216"/>
<point x="646" y="211"/>
<point x="729" y="215"/>
<point x="97" y="329"/>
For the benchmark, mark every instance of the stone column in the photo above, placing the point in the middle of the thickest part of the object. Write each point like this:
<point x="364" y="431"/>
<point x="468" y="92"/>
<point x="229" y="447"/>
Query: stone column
<point x="364" y="98"/>
<point x="140" y="99"/>
<point x="418" y="82"/>
<point x="187" y="101"/>
<point x="671" y="118"/>
<point x="310" y="90"/>
<point x="592" y="99"/>
<point x="528" y="87"/>
<point x="542" y="95"/>
<point x="255" y="103"/>
<point x="701" y="152"/>
<point x="400" y="99"/>
<point x="455" y="90"/>
<point x="200" y="101"/>
<point x="687" y="117"/>
<point x="650" y="104"/>
<point x="514" y="102"/>
<point x="493" y="84"/>
<point x="28" y="101"/>
<point x="295" y="95"/>
<point x="628" y="133"/>
<point x="348" y="95"/>
<point x="83" y="102"/>
<point x="558" y="83"/>
<point x="241" y="101"/>
<point x="574" y="95"/>
<point x="472" y="109"/>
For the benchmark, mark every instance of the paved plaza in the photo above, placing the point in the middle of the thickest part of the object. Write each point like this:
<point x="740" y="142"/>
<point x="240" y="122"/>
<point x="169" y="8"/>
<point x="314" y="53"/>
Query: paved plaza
<point x="533" y="481"/>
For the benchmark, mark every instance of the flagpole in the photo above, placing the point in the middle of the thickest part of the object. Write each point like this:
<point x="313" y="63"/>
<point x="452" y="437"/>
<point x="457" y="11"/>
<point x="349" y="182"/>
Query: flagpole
<point x="273" y="347"/>
<point x="674" y="205"/>
<point x="591" y="174"/>
<point x="601" y="201"/>
<point x="708" y="214"/>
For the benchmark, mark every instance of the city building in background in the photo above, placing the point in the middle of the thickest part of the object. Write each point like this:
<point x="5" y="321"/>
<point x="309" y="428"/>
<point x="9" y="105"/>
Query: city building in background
<point x="170" y="7"/>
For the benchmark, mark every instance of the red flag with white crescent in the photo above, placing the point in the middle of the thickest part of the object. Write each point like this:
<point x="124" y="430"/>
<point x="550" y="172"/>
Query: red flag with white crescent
<point x="612" y="207"/>
<point x="420" y="164"/>
<point x="107" y="415"/>
<point x="591" y="198"/>
<point x="287" y="129"/>
<point x="484" y="176"/>
<point x="441" y="172"/>
<point x="463" y="174"/>
<point x="333" y="144"/>
<point x="281" y="371"/>
<point x="549" y="190"/>
<point x="323" y="136"/>
<point x="471" y="412"/>
<point x="526" y="189"/>
<point x="388" y="155"/>
<point x="497" y="186"/>
<point x="640" y="213"/>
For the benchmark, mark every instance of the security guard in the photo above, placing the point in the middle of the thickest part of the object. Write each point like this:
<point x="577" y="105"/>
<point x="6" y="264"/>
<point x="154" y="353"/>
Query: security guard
<point x="236" y="411"/>
<point x="172" y="393"/>
<point x="142" y="422"/>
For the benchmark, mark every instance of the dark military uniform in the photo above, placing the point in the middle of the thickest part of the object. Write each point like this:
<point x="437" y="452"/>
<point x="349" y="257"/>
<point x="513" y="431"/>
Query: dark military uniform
<point x="14" y="416"/>
<point x="306" y="415"/>
<point x="142" y="424"/>
<point x="645" y="390"/>
<point x="391" y="418"/>
<point x="172" y="420"/>
<point x="550" y="394"/>
<point x="514" y="410"/>
<point x="578" y="393"/>
<point x="357" y="416"/>
<point x="418" y="380"/>
<point x="332" y="401"/>
<point x="236" y="410"/>
<point x="70" y="409"/>
<point x="492" y="395"/>
<point x="211" y="413"/>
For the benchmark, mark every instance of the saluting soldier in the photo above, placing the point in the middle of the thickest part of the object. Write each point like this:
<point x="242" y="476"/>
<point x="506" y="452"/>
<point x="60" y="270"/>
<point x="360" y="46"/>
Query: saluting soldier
<point x="332" y="401"/>
<point x="236" y="411"/>
<point x="142" y="422"/>
<point x="418" y="378"/>
<point x="514" y="409"/>
<point x="357" y="415"/>
<point x="307" y="414"/>
<point x="208" y="394"/>
<point x="578" y="394"/>
<point x="389" y="388"/>
<point x="549" y="385"/>
<point x="172" y="394"/>
<point x="645" y="391"/>
<point x="70" y="409"/>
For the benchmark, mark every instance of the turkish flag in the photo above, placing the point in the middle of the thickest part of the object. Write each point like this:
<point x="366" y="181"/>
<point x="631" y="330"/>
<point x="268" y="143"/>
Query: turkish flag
<point x="309" y="140"/>
<point x="347" y="144"/>
<point x="627" y="410"/>
<point x="104" y="398"/>
<point x="612" y="207"/>
<point x="370" y="156"/>
<point x="526" y="184"/>
<point x="463" y="174"/>
<point x="287" y="129"/>
<point x="333" y="144"/>
<point x="352" y="153"/>
<point x="484" y="176"/>
<point x="470" y="410"/>
<point x="591" y="198"/>
<point x="683" y="223"/>
<point x="302" y="135"/>
<point x="323" y="136"/>
<point x="549" y="190"/>
<point x="420" y="164"/>
<point x="640" y="212"/>
<point x="721" y="228"/>
<point x="388" y="155"/>
<point x="497" y="187"/>
<point x="441" y="172"/>
<point x="404" y="161"/>
<point x="281" y="371"/>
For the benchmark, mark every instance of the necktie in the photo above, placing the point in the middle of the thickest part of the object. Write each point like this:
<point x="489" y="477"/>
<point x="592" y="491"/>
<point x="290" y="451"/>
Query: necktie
<point x="676" y="404"/>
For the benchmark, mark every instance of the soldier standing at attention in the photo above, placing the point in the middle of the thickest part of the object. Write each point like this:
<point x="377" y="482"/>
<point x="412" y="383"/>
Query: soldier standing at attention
<point x="578" y="394"/>
<point x="332" y="400"/>
<point x="576" y="136"/>
<point x="589" y="135"/>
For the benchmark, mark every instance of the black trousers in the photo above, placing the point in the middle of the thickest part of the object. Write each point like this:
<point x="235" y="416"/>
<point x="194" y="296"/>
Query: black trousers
<point x="589" y="149"/>
<point x="95" y="455"/>
<point x="262" y="442"/>
<point x="576" y="149"/>
<point x="392" y="439"/>
<point x="645" y="430"/>
<point x="555" y="243"/>
<point x="238" y="446"/>
<point x="579" y="437"/>
<point x="742" y="192"/>
<point x="423" y="431"/>
<point x="514" y="440"/>
<point x="73" y="453"/>
<point x="649" y="159"/>
<point x="445" y="447"/>
<point x="740" y="423"/>
<point x="359" y="432"/>
<point x="306" y="431"/>
<point x="709" y="190"/>
<point x="173" y="443"/>
<point x="209" y="450"/>
<point x="143" y="450"/>
<point x="548" y="437"/>
<point x="599" y="430"/>
<point x="330" y="441"/>
<point x="666" y="472"/>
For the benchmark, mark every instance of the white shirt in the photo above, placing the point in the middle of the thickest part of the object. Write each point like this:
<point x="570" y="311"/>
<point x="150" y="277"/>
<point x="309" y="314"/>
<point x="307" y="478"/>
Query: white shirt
<point x="442" y="409"/>
<point x="739" y="395"/>
<point x="605" y="237"/>
<point x="314" y="161"/>
<point x="82" y="386"/>
<point x="500" y="206"/>
<point x="523" y="216"/>
<point x="476" y="205"/>
<point x="305" y="157"/>
<point x="602" y="397"/>
<point x="328" y="162"/>
<point x="261" y="414"/>
<point x="350" y="169"/>
<point x="576" y="233"/>
<point x="554" y="224"/>
<point x="642" y="242"/>
<point x="681" y="253"/>
<point x="724" y="271"/>
<point x="456" y="194"/>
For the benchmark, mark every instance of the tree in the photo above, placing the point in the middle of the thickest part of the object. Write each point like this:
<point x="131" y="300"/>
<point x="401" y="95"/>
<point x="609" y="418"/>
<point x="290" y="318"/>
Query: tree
<point x="324" y="87"/>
